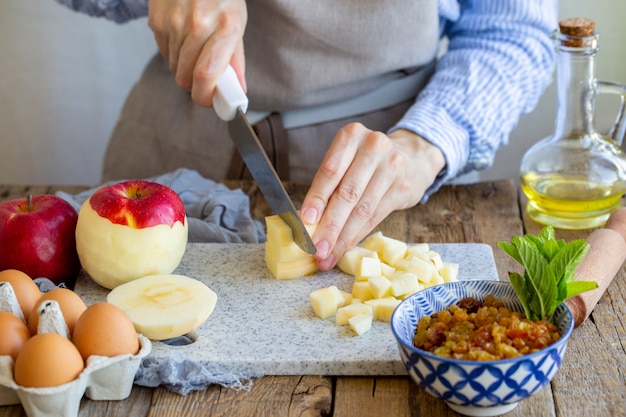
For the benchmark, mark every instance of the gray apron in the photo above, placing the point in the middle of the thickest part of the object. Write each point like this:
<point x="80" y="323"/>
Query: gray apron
<point x="300" y="57"/>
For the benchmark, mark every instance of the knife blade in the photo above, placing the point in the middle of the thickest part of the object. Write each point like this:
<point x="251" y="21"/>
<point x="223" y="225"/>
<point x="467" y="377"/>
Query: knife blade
<point x="231" y="103"/>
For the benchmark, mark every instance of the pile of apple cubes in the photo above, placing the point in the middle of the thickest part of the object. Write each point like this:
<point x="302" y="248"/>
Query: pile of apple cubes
<point x="386" y="271"/>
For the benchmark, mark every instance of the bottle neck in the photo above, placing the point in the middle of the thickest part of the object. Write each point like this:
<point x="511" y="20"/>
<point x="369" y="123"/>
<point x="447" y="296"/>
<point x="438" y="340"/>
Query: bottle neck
<point x="575" y="89"/>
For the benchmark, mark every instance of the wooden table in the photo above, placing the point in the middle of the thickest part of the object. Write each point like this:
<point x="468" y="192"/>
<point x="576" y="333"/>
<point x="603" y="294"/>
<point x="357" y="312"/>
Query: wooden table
<point x="591" y="381"/>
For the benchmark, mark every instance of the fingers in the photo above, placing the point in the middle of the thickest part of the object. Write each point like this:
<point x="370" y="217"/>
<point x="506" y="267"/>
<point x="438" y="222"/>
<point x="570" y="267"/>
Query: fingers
<point x="158" y="23"/>
<point x="328" y="176"/>
<point x="347" y="196"/>
<point x="196" y="39"/>
<point x="365" y="176"/>
<point x="370" y="210"/>
<point x="199" y="38"/>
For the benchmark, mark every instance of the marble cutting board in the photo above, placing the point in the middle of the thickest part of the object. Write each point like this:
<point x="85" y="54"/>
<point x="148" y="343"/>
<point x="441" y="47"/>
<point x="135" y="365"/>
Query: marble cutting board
<point x="263" y="326"/>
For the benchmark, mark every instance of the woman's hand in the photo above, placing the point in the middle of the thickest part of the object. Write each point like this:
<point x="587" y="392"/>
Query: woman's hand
<point x="199" y="38"/>
<point x="364" y="176"/>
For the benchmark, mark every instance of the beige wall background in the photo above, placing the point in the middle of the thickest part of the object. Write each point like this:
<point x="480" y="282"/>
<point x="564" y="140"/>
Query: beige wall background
<point x="64" y="77"/>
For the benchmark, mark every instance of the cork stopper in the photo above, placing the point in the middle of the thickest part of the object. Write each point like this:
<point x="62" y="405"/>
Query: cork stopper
<point x="577" y="27"/>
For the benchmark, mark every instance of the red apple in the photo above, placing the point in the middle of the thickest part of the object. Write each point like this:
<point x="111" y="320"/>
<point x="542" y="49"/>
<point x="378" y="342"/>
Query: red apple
<point x="37" y="237"/>
<point x="129" y="230"/>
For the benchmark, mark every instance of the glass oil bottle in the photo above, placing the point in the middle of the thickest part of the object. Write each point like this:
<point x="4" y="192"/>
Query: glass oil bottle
<point x="576" y="177"/>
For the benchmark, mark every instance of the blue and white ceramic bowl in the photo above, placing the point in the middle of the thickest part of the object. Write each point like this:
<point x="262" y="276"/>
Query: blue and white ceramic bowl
<point x="475" y="388"/>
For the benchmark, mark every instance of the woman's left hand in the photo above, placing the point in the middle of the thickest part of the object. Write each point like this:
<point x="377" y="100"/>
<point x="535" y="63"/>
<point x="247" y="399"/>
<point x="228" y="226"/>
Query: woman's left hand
<point x="365" y="175"/>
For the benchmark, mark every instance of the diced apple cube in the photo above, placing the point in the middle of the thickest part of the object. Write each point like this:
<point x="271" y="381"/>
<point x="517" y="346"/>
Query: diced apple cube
<point x="417" y="249"/>
<point x="368" y="267"/>
<point x="435" y="258"/>
<point x="351" y="258"/>
<point x="350" y="310"/>
<point x="449" y="271"/>
<point x="403" y="264"/>
<point x="383" y="307"/>
<point x="425" y="270"/>
<point x="373" y="242"/>
<point x="386" y="270"/>
<point x="436" y="280"/>
<point x="392" y="250"/>
<point x="405" y="283"/>
<point x="430" y="256"/>
<point x="362" y="291"/>
<point x="347" y="297"/>
<point x="326" y="301"/>
<point x="405" y="296"/>
<point x="380" y="286"/>
<point x="360" y="323"/>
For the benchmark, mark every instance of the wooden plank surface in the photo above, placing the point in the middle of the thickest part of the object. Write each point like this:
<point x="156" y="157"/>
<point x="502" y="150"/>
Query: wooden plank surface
<point x="591" y="381"/>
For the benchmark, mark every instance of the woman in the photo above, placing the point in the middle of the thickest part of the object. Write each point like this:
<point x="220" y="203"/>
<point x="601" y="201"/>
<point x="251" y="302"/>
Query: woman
<point x="346" y="94"/>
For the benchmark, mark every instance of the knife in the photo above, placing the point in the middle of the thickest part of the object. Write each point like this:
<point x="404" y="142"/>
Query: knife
<point x="231" y="103"/>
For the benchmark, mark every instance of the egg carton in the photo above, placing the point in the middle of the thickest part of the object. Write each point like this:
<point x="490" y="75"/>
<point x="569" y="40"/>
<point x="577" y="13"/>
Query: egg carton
<point x="103" y="378"/>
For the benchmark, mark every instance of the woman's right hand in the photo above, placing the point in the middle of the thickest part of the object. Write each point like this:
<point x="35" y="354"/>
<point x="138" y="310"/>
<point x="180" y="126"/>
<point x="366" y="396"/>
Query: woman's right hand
<point x="199" y="39"/>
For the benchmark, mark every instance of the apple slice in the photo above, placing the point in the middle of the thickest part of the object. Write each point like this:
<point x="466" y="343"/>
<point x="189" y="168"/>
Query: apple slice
<point x="164" y="306"/>
<point x="295" y="268"/>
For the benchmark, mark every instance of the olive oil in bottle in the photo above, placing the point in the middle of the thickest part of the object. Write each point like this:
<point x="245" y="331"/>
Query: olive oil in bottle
<point x="570" y="202"/>
<point x="576" y="177"/>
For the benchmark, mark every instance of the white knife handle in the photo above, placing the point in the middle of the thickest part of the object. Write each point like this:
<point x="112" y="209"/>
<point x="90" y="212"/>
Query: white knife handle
<point x="229" y="96"/>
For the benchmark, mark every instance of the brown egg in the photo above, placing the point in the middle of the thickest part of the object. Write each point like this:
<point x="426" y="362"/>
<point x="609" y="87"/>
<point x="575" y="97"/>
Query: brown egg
<point x="25" y="289"/>
<point x="47" y="360"/>
<point x="13" y="334"/>
<point x="105" y="330"/>
<point x="72" y="306"/>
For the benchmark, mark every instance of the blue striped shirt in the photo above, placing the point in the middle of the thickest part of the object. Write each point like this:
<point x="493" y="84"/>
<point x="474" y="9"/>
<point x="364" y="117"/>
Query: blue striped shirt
<point x="498" y="62"/>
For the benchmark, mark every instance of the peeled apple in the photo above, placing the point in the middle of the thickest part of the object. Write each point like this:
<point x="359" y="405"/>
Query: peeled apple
<point x="164" y="306"/>
<point x="129" y="230"/>
<point x="283" y="257"/>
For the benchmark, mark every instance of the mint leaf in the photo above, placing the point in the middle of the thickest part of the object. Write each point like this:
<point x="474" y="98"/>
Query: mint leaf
<point x="568" y="258"/>
<point x="540" y="281"/>
<point x="511" y="250"/>
<point x="565" y="262"/>
<point x="578" y="287"/>
<point x="549" y="266"/>
<point x="519" y="285"/>
<point x="551" y="249"/>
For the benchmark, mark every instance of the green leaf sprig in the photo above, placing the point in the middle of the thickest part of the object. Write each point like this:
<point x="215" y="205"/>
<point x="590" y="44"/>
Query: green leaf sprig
<point x="549" y="266"/>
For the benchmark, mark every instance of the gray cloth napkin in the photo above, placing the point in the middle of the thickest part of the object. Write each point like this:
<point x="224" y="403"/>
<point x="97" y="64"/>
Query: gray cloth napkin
<point x="215" y="212"/>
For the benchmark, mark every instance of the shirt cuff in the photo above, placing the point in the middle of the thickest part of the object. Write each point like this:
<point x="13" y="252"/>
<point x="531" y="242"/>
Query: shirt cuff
<point x="434" y="123"/>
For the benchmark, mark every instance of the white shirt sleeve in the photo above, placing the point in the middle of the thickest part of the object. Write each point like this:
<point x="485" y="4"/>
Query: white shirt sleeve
<point x="499" y="61"/>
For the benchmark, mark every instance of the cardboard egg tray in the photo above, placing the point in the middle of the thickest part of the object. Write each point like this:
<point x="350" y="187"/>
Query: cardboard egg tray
<point x="103" y="378"/>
